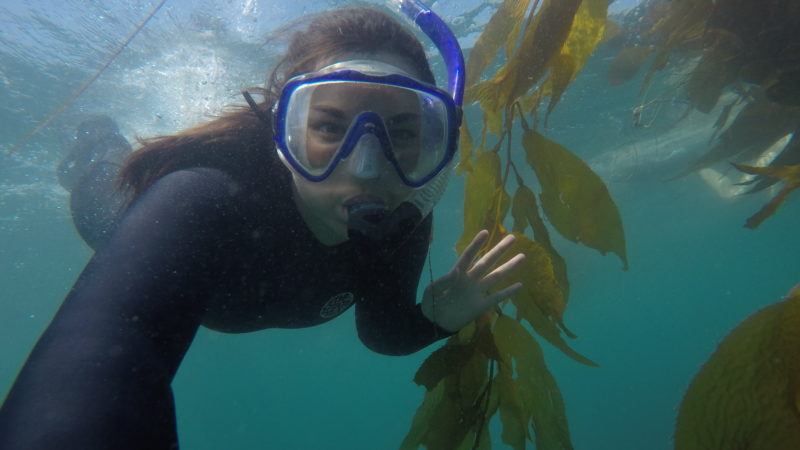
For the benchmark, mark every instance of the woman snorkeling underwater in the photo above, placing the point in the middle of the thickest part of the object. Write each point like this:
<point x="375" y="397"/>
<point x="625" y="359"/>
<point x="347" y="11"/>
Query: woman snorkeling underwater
<point x="281" y="215"/>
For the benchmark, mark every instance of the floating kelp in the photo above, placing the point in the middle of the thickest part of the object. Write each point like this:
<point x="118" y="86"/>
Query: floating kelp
<point x="542" y="40"/>
<point x="495" y="37"/>
<point x="496" y="365"/>
<point x="588" y="29"/>
<point x="751" y="41"/>
<point x="747" y="395"/>
<point x="789" y="156"/>
<point x="788" y="174"/>
<point x="759" y="123"/>
<point x="716" y="70"/>
<point x="747" y="47"/>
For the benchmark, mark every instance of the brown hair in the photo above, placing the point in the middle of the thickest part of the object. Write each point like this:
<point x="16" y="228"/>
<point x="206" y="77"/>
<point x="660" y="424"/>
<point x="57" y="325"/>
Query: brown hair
<point x="238" y="142"/>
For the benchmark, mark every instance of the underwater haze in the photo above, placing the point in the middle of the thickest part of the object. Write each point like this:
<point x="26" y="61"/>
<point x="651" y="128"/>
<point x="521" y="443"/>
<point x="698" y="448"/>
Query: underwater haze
<point x="695" y="272"/>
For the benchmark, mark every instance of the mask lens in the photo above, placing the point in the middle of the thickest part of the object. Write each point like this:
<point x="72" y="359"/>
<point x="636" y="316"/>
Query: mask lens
<point x="325" y="131"/>
<point x="432" y="142"/>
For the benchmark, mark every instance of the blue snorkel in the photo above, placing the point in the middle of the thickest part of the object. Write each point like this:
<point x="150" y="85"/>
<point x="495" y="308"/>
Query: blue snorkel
<point x="373" y="221"/>
<point x="447" y="44"/>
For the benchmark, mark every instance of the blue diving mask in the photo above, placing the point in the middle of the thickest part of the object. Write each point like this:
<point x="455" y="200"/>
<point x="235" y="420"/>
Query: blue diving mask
<point x="369" y="115"/>
<point x="323" y="117"/>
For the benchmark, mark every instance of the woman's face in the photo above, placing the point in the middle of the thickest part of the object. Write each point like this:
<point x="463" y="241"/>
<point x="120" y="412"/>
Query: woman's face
<point x="323" y="205"/>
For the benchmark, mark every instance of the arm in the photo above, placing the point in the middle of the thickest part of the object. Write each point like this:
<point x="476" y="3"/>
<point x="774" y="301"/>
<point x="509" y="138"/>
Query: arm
<point x="388" y="318"/>
<point x="472" y="287"/>
<point x="99" y="377"/>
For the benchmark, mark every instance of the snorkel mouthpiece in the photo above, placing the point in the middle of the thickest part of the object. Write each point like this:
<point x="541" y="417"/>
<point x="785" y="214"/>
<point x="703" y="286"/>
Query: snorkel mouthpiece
<point x="372" y="223"/>
<point x="365" y="220"/>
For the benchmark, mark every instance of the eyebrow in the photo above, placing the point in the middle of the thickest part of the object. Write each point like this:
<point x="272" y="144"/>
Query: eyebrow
<point x="339" y="114"/>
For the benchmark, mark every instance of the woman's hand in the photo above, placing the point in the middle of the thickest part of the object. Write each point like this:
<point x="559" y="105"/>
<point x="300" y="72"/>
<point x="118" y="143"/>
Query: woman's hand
<point x="462" y="295"/>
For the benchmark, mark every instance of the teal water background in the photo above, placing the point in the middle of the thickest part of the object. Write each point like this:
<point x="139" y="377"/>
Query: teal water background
<point x="695" y="272"/>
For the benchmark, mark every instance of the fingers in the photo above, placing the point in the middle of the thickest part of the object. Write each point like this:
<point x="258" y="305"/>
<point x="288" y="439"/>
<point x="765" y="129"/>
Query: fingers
<point x="501" y="295"/>
<point x="501" y="272"/>
<point x="471" y="251"/>
<point x="490" y="258"/>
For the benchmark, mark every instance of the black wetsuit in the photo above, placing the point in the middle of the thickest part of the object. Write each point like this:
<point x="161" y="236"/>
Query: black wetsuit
<point x="198" y="247"/>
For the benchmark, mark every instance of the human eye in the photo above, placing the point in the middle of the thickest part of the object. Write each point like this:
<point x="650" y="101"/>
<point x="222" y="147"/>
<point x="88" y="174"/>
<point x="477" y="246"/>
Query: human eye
<point x="328" y="130"/>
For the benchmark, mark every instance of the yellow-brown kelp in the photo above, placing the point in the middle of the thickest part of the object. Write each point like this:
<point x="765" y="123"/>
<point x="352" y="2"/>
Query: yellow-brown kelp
<point x="747" y="395"/>
<point x="748" y="48"/>
<point x="788" y="174"/>
<point x="495" y="364"/>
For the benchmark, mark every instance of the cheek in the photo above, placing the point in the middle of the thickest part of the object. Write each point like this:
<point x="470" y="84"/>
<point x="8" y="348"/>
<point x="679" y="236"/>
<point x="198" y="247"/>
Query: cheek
<point x="317" y="159"/>
<point x="319" y="153"/>
<point x="320" y="196"/>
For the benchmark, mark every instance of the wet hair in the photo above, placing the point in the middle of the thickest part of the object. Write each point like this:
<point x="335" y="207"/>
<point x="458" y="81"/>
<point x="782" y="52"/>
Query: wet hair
<point x="238" y="142"/>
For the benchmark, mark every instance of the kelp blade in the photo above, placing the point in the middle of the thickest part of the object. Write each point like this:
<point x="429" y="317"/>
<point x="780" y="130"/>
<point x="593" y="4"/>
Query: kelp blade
<point x="540" y="301"/>
<point x="588" y="28"/>
<point x="539" y="394"/>
<point x="498" y="31"/>
<point x="716" y="70"/>
<point x="788" y="156"/>
<point x="685" y="21"/>
<point x="758" y="125"/>
<point x="465" y="148"/>
<point x="541" y="41"/>
<point x="444" y="362"/>
<point x="574" y="198"/>
<point x="512" y="413"/>
<point x="525" y="211"/>
<point x="789" y="174"/>
<point x="537" y="276"/>
<point x="485" y="200"/>
<point x="746" y="395"/>
<point x="443" y="421"/>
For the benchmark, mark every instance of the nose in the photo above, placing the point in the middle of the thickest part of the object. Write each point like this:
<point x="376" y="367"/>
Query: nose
<point x="365" y="161"/>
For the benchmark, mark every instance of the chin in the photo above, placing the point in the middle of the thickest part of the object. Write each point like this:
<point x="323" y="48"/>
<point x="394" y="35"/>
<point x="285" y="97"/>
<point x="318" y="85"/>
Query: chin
<point x="339" y="229"/>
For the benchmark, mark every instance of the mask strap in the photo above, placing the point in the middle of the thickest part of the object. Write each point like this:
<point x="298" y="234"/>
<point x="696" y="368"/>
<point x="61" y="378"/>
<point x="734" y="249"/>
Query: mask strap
<point x="254" y="106"/>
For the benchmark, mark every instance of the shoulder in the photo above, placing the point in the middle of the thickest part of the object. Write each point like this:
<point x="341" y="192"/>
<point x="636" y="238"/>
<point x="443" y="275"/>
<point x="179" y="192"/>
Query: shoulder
<point x="194" y="185"/>
<point x="195" y="197"/>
